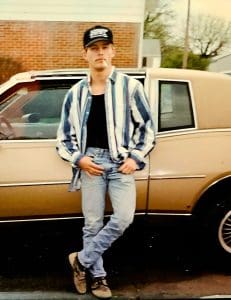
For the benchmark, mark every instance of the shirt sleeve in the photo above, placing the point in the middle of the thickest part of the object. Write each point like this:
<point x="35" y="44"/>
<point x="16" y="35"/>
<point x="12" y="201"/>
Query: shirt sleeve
<point x="67" y="145"/>
<point x="144" y="131"/>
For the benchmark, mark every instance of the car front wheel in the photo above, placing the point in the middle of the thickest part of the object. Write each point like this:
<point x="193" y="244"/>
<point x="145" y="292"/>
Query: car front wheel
<point x="215" y="231"/>
<point x="224" y="232"/>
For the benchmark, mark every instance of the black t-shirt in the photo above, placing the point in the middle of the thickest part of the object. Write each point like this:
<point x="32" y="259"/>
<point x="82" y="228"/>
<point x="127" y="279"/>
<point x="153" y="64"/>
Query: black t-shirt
<point x="96" y="124"/>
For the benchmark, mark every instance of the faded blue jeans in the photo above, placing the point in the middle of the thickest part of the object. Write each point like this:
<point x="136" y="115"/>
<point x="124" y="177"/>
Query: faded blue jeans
<point x="122" y="192"/>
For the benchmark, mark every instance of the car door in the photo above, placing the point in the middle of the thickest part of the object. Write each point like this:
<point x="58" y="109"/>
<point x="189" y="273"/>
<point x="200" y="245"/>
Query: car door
<point x="178" y="163"/>
<point x="33" y="179"/>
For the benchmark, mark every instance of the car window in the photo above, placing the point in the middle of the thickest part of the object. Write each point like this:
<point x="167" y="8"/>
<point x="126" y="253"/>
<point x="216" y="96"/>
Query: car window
<point x="175" y="106"/>
<point x="32" y="110"/>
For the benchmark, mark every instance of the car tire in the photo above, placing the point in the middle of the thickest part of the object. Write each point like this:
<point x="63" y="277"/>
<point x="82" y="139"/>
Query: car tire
<point x="216" y="232"/>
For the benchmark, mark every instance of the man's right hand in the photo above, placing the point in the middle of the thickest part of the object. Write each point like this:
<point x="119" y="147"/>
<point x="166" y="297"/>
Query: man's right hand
<point x="87" y="165"/>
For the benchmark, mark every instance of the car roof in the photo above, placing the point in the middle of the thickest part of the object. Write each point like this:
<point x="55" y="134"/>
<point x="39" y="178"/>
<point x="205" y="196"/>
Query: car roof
<point x="211" y="93"/>
<point x="57" y="74"/>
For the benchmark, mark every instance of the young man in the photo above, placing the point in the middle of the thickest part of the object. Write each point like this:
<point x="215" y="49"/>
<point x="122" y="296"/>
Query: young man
<point x="106" y="130"/>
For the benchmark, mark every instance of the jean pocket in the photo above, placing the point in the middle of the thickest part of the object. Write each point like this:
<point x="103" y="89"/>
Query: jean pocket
<point x="90" y="154"/>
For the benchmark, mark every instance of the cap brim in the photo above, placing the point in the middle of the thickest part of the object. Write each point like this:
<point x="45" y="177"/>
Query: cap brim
<point x="98" y="40"/>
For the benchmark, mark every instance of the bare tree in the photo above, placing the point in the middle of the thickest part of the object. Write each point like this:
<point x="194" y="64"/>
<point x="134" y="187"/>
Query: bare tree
<point x="209" y="35"/>
<point x="157" y="23"/>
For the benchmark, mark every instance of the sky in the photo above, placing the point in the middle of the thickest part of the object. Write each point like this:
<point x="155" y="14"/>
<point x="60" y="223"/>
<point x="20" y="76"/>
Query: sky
<point x="214" y="8"/>
<point x="218" y="8"/>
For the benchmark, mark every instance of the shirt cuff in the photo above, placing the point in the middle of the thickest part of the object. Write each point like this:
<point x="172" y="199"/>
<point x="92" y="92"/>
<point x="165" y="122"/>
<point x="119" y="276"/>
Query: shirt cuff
<point x="140" y="163"/>
<point x="76" y="158"/>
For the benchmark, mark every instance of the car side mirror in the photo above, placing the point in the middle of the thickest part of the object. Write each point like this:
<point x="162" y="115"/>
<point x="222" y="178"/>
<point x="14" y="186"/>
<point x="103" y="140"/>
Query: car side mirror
<point x="31" y="118"/>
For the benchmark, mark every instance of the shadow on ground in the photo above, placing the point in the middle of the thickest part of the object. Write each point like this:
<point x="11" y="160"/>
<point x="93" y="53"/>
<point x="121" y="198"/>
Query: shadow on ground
<point x="34" y="257"/>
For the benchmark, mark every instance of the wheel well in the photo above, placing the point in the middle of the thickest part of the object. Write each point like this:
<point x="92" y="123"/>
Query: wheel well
<point x="215" y="195"/>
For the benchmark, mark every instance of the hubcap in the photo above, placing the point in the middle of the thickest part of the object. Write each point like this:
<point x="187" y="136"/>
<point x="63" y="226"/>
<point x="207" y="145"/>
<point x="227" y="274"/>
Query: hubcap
<point x="224" y="233"/>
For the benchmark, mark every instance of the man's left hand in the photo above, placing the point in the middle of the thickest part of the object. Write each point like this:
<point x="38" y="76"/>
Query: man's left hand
<point x="128" y="167"/>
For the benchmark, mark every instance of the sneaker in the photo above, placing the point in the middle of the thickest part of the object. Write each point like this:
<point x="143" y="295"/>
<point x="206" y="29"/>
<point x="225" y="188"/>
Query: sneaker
<point x="100" y="289"/>
<point x="79" y="273"/>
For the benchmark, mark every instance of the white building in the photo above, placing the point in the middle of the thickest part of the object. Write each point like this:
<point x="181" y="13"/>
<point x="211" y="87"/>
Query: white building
<point x="113" y="11"/>
<point x="221" y="64"/>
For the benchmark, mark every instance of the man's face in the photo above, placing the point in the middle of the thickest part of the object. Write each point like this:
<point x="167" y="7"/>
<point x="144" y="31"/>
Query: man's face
<point x="99" y="55"/>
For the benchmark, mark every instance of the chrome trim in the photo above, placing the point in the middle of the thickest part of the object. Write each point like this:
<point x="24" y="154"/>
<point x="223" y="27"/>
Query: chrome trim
<point x="39" y="219"/>
<point x="191" y="95"/>
<point x="49" y="182"/>
<point x="191" y="131"/>
<point x="28" y="141"/>
<point x="218" y="180"/>
<point x="177" y="177"/>
<point x="169" y="214"/>
<point x="213" y="183"/>
<point x="141" y="178"/>
<point x="81" y="217"/>
<point x="34" y="183"/>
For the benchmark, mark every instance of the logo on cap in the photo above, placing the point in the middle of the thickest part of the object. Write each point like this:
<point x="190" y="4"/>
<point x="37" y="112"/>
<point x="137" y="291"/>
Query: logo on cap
<point x="98" y="32"/>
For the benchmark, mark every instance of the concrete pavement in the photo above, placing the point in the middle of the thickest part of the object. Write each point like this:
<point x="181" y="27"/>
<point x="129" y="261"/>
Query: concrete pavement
<point x="38" y="295"/>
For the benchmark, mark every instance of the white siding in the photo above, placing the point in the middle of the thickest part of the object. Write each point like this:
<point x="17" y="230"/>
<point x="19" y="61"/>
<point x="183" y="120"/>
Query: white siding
<point x="221" y="64"/>
<point x="73" y="10"/>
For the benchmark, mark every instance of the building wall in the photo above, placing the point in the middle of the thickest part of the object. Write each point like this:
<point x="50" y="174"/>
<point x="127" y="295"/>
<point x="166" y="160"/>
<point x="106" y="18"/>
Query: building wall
<point x="58" y="44"/>
<point x="221" y="64"/>
<point x="43" y="34"/>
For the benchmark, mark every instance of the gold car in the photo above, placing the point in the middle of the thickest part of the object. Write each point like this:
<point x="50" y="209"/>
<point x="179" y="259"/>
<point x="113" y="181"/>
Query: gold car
<point x="188" y="174"/>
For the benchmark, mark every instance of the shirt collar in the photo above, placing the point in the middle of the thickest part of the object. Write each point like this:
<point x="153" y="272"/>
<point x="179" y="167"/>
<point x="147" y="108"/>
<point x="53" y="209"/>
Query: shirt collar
<point x="112" y="76"/>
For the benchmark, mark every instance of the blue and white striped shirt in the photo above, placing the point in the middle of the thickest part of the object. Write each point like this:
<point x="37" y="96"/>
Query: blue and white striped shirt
<point x="130" y="125"/>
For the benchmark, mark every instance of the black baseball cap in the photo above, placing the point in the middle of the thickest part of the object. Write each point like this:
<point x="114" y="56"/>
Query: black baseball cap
<point x="97" y="33"/>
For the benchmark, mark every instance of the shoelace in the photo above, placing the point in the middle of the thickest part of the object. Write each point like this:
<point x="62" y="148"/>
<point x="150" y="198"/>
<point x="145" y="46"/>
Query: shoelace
<point x="100" y="281"/>
<point x="81" y="275"/>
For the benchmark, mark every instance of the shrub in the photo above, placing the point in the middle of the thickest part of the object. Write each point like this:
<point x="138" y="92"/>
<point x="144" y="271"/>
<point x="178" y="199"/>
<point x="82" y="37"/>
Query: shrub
<point x="9" y="67"/>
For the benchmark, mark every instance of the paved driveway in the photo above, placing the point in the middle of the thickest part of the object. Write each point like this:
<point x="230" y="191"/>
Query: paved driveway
<point x="34" y="266"/>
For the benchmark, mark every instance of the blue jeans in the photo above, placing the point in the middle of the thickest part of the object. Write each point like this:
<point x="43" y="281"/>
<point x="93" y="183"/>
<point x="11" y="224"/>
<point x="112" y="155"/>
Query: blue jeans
<point x="122" y="192"/>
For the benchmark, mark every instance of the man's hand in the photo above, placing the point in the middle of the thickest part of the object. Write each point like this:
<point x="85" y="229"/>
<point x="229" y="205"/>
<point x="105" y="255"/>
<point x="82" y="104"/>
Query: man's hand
<point x="128" y="167"/>
<point x="86" y="164"/>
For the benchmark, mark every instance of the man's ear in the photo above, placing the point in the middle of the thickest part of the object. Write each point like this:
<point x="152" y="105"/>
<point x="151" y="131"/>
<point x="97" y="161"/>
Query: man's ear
<point x="113" y="51"/>
<point x="84" y="53"/>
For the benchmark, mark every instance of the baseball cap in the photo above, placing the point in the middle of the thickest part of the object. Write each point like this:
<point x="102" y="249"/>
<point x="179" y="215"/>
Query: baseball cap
<point x="97" y="33"/>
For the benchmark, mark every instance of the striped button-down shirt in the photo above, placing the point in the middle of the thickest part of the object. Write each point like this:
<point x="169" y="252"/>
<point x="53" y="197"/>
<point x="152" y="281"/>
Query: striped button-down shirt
<point x="130" y="125"/>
